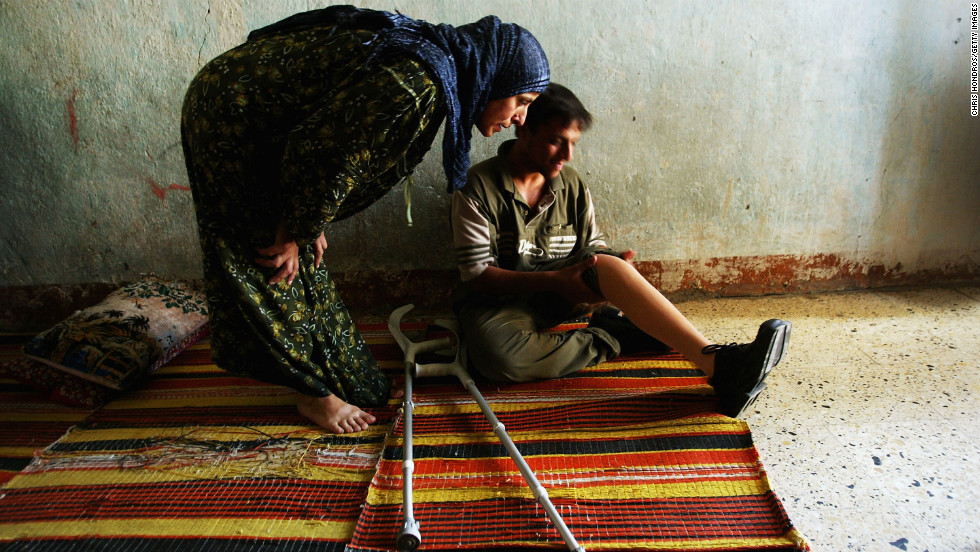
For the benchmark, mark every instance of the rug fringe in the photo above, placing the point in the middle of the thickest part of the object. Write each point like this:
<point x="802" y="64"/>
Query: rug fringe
<point x="798" y="539"/>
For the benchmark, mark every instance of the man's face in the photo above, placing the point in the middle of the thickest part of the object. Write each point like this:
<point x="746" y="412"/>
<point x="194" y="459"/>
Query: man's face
<point x="550" y="146"/>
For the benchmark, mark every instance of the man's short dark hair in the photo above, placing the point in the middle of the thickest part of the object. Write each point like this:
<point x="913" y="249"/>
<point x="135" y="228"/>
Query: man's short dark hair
<point x="557" y="102"/>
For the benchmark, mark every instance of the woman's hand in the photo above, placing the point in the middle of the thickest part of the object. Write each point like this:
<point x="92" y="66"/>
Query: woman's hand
<point x="283" y="255"/>
<point x="320" y="245"/>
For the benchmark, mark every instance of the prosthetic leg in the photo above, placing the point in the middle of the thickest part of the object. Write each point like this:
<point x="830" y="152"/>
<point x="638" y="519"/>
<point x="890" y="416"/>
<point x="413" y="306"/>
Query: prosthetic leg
<point x="409" y="537"/>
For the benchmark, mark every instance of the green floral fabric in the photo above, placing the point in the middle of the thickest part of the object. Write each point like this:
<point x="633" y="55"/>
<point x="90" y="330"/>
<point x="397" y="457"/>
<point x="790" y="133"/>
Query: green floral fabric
<point x="303" y="128"/>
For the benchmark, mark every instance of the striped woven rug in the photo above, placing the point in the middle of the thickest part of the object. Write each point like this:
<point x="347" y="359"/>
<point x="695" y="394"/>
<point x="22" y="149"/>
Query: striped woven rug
<point x="631" y="452"/>
<point x="29" y="421"/>
<point x="196" y="459"/>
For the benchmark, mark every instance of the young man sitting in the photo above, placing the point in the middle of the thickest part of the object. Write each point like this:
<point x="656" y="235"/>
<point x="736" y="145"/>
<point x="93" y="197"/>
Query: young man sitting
<point x="531" y="256"/>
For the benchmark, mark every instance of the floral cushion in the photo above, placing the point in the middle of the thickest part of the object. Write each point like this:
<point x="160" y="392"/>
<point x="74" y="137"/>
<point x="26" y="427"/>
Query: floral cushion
<point x="132" y="332"/>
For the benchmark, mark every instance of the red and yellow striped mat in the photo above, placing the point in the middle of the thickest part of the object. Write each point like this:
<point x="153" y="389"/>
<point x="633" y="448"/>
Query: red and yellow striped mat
<point x="631" y="452"/>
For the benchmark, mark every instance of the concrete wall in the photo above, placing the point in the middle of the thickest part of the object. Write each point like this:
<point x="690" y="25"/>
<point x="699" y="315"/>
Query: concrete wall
<point x="748" y="146"/>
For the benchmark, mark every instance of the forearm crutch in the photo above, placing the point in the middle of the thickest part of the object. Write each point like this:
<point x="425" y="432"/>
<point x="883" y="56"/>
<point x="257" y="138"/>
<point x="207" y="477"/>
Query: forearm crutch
<point x="456" y="369"/>
<point x="409" y="537"/>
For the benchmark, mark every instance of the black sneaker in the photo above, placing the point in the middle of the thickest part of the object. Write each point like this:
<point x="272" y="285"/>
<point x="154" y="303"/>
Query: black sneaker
<point x="741" y="370"/>
<point x="631" y="338"/>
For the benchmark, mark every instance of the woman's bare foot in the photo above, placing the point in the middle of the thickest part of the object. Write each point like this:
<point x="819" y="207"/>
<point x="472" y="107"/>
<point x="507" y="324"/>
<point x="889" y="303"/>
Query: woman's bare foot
<point x="333" y="414"/>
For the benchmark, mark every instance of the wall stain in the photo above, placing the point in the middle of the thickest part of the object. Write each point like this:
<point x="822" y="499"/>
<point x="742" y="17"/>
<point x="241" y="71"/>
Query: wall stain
<point x="162" y="192"/>
<point x="73" y="119"/>
<point x="779" y="274"/>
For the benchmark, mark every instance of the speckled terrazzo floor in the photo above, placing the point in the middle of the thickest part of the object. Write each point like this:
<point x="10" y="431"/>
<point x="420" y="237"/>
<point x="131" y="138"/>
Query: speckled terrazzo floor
<point x="869" y="427"/>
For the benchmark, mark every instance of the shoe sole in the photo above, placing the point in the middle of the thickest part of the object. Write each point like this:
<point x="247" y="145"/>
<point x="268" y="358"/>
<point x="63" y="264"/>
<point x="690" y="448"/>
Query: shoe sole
<point x="751" y="398"/>
<point x="778" y="342"/>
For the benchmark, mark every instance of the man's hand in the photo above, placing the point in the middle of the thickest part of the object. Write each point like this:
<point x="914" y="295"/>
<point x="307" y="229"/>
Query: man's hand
<point x="573" y="287"/>
<point x="283" y="255"/>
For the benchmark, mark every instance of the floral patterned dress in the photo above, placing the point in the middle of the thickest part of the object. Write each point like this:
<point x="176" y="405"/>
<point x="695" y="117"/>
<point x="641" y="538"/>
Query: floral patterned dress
<point x="304" y="128"/>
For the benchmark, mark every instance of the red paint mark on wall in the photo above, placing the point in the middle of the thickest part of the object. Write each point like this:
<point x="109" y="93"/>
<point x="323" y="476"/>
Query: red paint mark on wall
<point x="73" y="119"/>
<point x="157" y="190"/>
<point x="162" y="192"/>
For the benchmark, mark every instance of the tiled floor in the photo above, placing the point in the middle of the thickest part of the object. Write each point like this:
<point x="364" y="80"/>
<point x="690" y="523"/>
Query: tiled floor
<point x="869" y="427"/>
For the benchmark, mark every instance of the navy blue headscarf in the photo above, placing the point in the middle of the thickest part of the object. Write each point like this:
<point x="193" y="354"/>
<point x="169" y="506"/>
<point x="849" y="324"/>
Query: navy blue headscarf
<point x="473" y="64"/>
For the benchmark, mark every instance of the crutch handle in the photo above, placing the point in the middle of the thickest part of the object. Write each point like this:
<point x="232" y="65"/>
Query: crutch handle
<point x="438" y="369"/>
<point x="394" y="326"/>
<point x="431" y="345"/>
<point x="409" y="347"/>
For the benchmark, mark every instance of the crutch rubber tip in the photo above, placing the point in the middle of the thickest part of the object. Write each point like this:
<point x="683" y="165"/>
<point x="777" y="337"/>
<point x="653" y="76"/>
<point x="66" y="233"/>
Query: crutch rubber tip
<point x="409" y="538"/>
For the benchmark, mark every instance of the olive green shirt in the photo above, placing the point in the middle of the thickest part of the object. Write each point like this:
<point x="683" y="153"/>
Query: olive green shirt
<point x="494" y="226"/>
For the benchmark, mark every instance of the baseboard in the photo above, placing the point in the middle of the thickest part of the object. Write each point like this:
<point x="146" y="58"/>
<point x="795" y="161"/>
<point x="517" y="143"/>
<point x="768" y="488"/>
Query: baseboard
<point x="377" y="292"/>
<point x="778" y="274"/>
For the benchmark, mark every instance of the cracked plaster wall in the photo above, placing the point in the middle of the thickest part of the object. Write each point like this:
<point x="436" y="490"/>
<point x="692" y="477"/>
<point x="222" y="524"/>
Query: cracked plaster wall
<point x="767" y="132"/>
